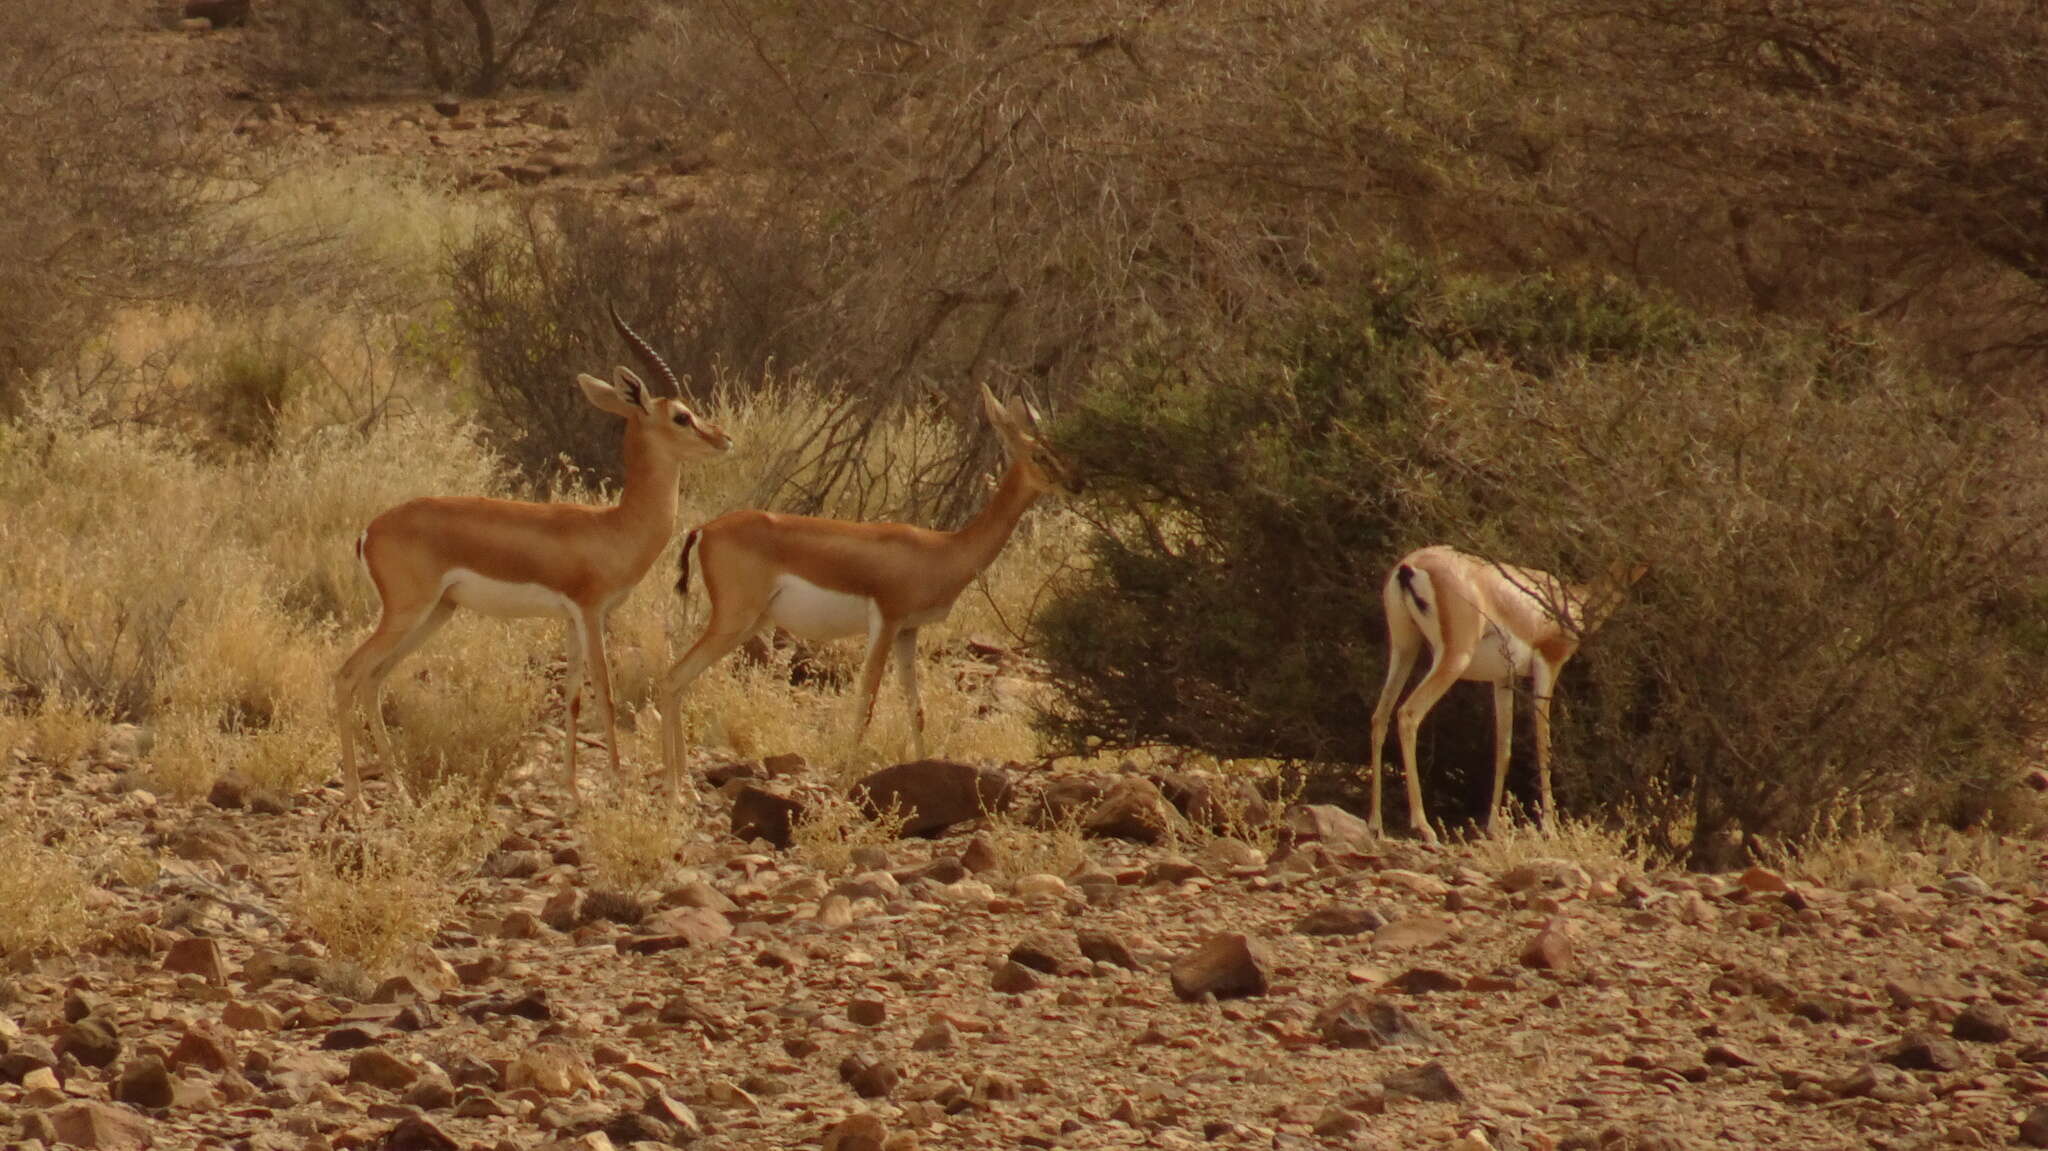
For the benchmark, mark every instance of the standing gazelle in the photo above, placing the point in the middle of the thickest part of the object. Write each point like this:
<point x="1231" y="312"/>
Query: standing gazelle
<point x="822" y="579"/>
<point x="508" y="558"/>
<point x="1489" y="623"/>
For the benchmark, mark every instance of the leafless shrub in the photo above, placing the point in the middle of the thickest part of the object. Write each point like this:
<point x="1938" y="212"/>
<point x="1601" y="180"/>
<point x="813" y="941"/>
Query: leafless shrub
<point x="112" y="665"/>
<point x="717" y="294"/>
<point x="477" y="46"/>
<point x="102" y="185"/>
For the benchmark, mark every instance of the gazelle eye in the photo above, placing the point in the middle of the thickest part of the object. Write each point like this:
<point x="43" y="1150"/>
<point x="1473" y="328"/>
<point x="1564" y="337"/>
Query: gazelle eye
<point x="683" y="419"/>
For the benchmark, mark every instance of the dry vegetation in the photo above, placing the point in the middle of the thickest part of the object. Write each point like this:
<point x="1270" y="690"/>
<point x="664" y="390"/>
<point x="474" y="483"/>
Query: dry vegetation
<point x="1755" y="296"/>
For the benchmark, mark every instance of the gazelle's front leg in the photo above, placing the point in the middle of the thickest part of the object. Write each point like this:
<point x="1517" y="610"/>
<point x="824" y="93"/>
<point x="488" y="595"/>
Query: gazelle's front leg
<point x="1503" y="743"/>
<point x="906" y="673"/>
<point x="601" y="687"/>
<point x="572" y="697"/>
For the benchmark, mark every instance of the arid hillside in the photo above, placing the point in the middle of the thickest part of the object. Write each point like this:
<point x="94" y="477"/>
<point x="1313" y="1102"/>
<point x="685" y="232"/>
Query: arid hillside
<point x="1742" y="308"/>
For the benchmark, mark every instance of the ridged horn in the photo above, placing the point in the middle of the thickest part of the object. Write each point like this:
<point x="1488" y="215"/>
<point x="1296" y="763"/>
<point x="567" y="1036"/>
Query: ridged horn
<point x="655" y="365"/>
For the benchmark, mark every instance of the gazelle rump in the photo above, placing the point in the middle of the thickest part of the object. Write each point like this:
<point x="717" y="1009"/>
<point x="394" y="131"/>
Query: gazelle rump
<point x="1490" y="623"/>
<point x="823" y="579"/>
<point x="511" y="558"/>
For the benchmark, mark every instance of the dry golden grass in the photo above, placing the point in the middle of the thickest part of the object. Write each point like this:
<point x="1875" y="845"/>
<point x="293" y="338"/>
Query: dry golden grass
<point x="217" y="590"/>
<point x="1021" y="850"/>
<point x="43" y="890"/>
<point x="375" y="894"/>
<point x="1600" y="848"/>
<point x="633" y="838"/>
<point x="832" y="827"/>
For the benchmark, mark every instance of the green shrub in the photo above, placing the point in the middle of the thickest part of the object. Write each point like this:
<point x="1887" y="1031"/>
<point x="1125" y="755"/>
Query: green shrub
<point x="1831" y="534"/>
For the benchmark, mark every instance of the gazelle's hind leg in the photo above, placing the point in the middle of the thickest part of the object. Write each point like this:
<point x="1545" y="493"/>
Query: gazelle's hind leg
<point x="1451" y="654"/>
<point x="1544" y="686"/>
<point x="361" y="679"/>
<point x="906" y="674"/>
<point x="881" y="639"/>
<point x="441" y="613"/>
<point x="725" y="632"/>
<point x="1404" y="644"/>
<point x="1503" y="743"/>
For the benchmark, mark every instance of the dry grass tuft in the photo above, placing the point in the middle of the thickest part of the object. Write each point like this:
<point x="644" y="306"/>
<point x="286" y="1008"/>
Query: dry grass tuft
<point x="832" y="827"/>
<point x="375" y="894"/>
<point x="634" y="837"/>
<point x="43" y="890"/>
<point x="1598" y="847"/>
<point x="1021" y="850"/>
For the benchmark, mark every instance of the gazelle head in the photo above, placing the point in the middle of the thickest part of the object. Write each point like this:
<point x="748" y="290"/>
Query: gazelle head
<point x="665" y="423"/>
<point x="1017" y="424"/>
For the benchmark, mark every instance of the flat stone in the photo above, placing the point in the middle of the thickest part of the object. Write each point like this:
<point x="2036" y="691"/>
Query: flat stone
<point x="1227" y="966"/>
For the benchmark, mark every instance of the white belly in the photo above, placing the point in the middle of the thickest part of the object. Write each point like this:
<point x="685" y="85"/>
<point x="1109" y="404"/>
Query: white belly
<point x="810" y="612"/>
<point x="1498" y="657"/>
<point x="489" y="596"/>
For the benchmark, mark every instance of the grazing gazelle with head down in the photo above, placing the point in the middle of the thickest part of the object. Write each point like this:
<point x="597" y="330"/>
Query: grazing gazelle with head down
<point x="822" y="579"/>
<point x="1490" y="623"/>
<point x="430" y="556"/>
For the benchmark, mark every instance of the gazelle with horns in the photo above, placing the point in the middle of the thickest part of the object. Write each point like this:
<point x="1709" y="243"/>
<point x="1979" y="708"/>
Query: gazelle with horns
<point x="509" y="558"/>
<point x="1490" y="623"/>
<point x="823" y="579"/>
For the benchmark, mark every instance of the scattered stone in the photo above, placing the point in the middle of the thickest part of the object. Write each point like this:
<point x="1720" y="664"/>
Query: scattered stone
<point x="867" y="1012"/>
<point x="1357" y="1020"/>
<point x="1429" y="1083"/>
<point x="934" y="793"/>
<point x="1132" y="809"/>
<point x="197" y="956"/>
<point x="229" y="791"/>
<point x="1413" y="932"/>
<point x="1764" y="881"/>
<point x="1426" y="981"/>
<point x="513" y="864"/>
<point x="244" y="1015"/>
<point x="1923" y="1052"/>
<point x="1227" y="966"/>
<point x="1065" y="800"/>
<point x="91" y="1040"/>
<point x="1729" y="1055"/>
<point x="1550" y="949"/>
<point x="418" y="1133"/>
<point x="203" y="1045"/>
<point x="1340" y="921"/>
<point x="1039" y="886"/>
<point x="1546" y="874"/>
<point x="940" y="1036"/>
<point x="863" y="1132"/>
<point x="1982" y="1023"/>
<point x="145" y="1082"/>
<point x="1049" y="952"/>
<point x="1332" y="826"/>
<point x="2034" y="1128"/>
<point x="676" y="928"/>
<point x="100" y="1126"/>
<point x="758" y="813"/>
<point x="1107" y="947"/>
<point x="869" y="1078"/>
<point x="1013" y="978"/>
<point x="380" y="1068"/>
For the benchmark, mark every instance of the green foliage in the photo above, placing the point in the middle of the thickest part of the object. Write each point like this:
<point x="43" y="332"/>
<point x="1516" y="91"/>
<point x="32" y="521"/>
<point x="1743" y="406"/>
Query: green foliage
<point x="1830" y="538"/>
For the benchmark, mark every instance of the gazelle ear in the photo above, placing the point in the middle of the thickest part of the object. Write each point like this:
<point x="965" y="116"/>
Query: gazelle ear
<point x="631" y="388"/>
<point x="604" y="396"/>
<point x="994" y="408"/>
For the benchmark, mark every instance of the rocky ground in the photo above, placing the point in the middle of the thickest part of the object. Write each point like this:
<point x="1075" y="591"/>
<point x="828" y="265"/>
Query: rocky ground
<point x="1345" y="991"/>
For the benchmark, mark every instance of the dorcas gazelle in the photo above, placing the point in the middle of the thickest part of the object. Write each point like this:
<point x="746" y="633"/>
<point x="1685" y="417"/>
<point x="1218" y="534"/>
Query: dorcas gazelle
<point x="1490" y="623"/>
<point x="430" y="556"/>
<point x="823" y="579"/>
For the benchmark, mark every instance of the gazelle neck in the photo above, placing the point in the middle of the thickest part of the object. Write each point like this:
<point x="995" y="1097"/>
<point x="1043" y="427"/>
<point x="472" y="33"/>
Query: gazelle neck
<point x="648" y="501"/>
<point x="983" y="537"/>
